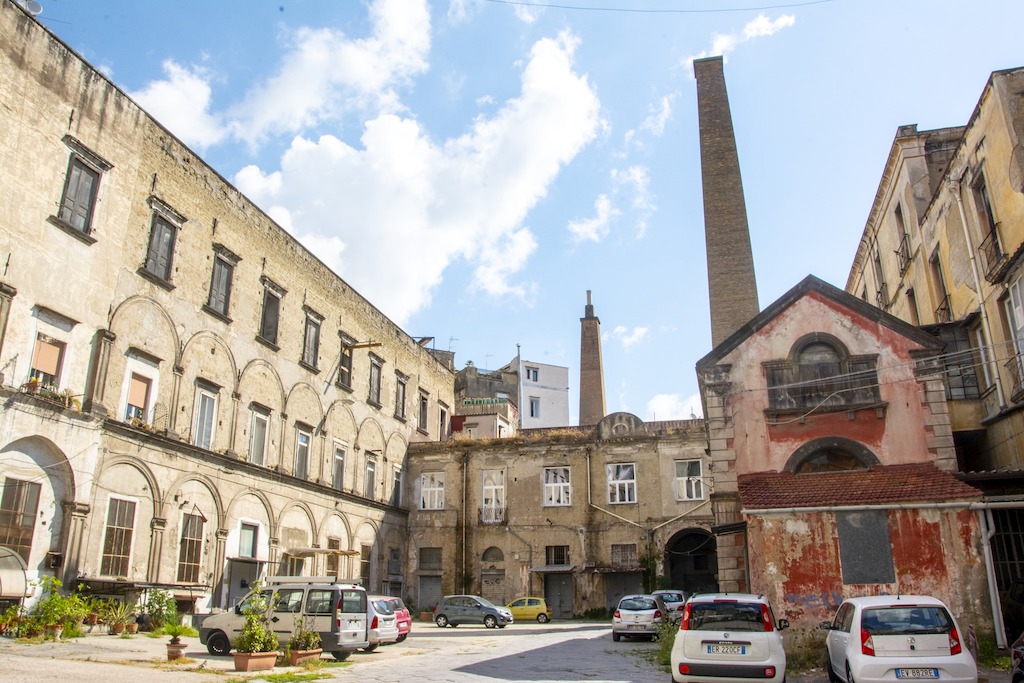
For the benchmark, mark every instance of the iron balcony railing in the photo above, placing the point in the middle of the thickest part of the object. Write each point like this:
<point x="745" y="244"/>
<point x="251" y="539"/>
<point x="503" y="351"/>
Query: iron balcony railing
<point x="992" y="251"/>
<point x="493" y="515"/>
<point x="944" y="312"/>
<point x="903" y="254"/>
<point x="1013" y="369"/>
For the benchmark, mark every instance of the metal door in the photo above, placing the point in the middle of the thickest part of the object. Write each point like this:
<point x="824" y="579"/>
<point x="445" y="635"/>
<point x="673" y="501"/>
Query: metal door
<point x="558" y="592"/>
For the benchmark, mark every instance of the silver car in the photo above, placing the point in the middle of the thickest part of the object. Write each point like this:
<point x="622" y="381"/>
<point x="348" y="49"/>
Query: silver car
<point x="639" y="616"/>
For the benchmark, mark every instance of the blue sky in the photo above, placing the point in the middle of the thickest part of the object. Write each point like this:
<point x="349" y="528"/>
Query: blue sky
<point x="473" y="167"/>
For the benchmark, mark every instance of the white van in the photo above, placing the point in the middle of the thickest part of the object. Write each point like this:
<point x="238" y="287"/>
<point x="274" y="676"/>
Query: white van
<point x="335" y="609"/>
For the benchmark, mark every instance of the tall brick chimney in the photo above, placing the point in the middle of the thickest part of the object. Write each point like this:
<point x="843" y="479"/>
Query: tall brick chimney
<point x="732" y="287"/>
<point x="592" y="406"/>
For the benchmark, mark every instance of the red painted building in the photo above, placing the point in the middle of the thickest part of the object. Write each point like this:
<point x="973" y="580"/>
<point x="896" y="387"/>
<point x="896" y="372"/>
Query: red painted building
<point x="833" y="461"/>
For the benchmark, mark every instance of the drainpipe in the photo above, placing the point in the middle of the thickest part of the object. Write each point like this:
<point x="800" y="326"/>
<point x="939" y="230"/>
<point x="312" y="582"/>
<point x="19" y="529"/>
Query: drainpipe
<point x="954" y="188"/>
<point x="987" y="532"/>
<point x="465" y="566"/>
<point x="529" y="560"/>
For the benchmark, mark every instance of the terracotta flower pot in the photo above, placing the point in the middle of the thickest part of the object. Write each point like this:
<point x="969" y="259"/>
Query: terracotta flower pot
<point x="254" y="661"/>
<point x="298" y="657"/>
<point x="176" y="651"/>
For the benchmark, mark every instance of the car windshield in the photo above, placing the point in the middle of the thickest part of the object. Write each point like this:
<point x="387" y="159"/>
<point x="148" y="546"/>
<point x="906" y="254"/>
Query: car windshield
<point x="734" y="616"/>
<point x="637" y="604"/>
<point x="485" y="602"/>
<point x="397" y="604"/>
<point x="899" y="620"/>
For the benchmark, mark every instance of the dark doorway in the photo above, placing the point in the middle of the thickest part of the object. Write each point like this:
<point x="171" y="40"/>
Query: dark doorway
<point x="691" y="561"/>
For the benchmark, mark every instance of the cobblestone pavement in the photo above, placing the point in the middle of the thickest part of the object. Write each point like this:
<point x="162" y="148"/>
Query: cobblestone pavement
<point x="533" y="653"/>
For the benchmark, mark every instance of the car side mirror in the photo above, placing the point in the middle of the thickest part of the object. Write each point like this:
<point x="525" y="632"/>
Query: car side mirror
<point x="826" y="625"/>
<point x="783" y="623"/>
<point x="238" y="608"/>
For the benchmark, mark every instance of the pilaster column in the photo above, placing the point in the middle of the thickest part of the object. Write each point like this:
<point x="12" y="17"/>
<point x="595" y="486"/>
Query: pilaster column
<point x="172" y="421"/>
<point x="76" y="516"/>
<point x="235" y="398"/>
<point x="156" y="548"/>
<point x="96" y="382"/>
<point x="6" y="295"/>
<point x="218" y="581"/>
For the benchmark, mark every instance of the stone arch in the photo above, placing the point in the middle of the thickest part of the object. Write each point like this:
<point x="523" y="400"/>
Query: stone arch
<point x="834" y="452"/>
<point x="303" y="407"/>
<point x="160" y="348"/>
<point x="250" y="507"/>
<point x="296" y="531"/>
<point x="620" y="426"/>
<point x="371" y="440"/>
<point x="201" y="492"/>
<point x="260" y="389"/>
<point x="130" y="479"/>
<point x="691" y="560"/>
<point x="801" y="344"/>
<point x="492" y="554"/>
<point x="335" y="525"/>
<point x="206" y="357"/>
<point x="368" y="534"/>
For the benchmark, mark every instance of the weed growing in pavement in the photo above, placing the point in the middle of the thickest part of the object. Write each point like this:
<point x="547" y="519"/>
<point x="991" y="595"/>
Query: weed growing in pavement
<point x="290" y="677"/>
<point x="666" y="637"/>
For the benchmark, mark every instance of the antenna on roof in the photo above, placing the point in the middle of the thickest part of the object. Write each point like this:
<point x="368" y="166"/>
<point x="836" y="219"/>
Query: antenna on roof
<point x="30" y="6"/>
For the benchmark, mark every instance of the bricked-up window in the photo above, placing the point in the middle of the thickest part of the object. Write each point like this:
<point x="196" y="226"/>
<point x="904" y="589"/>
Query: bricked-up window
<point x="271" y="313"/>
<point x="557" y="488"/>
<point x="259" y="427"/>
<point x="311" y="339"/>
<point x="332" y="563"/>
<point x="400" y="385"/>
<point x="689" y="483"/>
<point x="303" y="440"/>
<point x="365" y="558"/>
<point x="160" y="256"/>
<point x="18" y="507"/>
<point x="117" y="541"/>
<point x="224" y="262"/>
<point x="376" y="366"/>
<point x="821" y="376"/>
<point x="432" y="491"/>
<point x="190" y="550"/>
<point x="624" y="555"/>
<point x="556" y="554"/>
<point x="345" y="361"/>
<point x="865" y="547"/>
<point x="430" y="559"/>
<point x="47" y="360"/>
<point x="621" y="482"/>
<point x="248" y="535"/>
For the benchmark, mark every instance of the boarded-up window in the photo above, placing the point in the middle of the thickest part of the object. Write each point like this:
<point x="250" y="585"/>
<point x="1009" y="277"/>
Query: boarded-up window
<point x="864" y="547"/>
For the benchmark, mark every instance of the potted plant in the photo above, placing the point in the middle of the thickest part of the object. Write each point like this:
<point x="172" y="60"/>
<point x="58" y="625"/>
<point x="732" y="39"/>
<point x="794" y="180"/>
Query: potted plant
<point x="55" y="610"/>
<point x="117" y="615"/>
<point x="304" y="645"/>
<point x="176" y="648"/>
<point x="256" y="645"/>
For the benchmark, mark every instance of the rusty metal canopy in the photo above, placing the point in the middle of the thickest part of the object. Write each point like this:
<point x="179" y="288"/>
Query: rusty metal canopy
<point x="310" y="552"/>
<point x="13" y="582"/>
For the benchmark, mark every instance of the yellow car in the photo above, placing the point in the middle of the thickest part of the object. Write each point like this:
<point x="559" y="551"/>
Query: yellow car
<point x="530" y="608"/>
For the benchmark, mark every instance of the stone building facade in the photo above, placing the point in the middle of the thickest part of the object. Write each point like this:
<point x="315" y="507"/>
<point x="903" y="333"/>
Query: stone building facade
<point x="579" y="516"/>
<point x="190" y="398"/>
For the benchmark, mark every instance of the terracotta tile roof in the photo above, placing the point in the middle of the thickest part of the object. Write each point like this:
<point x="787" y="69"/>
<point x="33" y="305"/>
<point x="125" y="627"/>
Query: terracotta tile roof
<point x="882" y="484"/>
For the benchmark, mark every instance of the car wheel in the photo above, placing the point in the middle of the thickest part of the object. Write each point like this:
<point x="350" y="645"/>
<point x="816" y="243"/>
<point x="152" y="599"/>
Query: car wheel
<point x="543" y="618"/>
<point x="502" y="625"/>
<point x="849" y="674"/>
<point x="615" y="636"/>
<point x="441" y="620"/>
<point x="402" y="637"/>
<point x="218" y="644"/>
<point x="371" y="648"/>
<point x="490" y="621"/>
<point x="340" y="655"/>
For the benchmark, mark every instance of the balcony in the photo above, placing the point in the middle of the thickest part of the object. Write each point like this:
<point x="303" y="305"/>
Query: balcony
<point x="944" y="313"/>
<point x="903" y="254"/>
<point x="882" y="296"/>
<point x="1013" y="370"/>
<point x="493" y="515"/>
<point x="992" y="252"/>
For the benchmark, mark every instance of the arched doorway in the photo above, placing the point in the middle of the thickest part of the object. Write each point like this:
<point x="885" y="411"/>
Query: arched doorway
<point x="691" y="561"/>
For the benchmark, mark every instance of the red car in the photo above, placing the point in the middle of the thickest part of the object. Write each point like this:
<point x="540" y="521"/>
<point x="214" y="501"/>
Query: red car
<point x="402" y="616"/>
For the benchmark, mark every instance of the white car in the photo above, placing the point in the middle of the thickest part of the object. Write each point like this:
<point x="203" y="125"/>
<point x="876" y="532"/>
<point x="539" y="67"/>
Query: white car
<point x="728" y="636"/>
<point x="896" y="638"/>
<point x="674" y="600"/>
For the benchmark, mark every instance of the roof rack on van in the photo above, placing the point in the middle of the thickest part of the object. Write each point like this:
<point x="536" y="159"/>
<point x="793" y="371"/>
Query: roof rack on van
<point x="311" y="579"/>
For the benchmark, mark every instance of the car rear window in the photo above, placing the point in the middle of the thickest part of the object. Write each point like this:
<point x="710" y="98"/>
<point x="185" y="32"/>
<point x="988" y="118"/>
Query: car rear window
<point x="637" y="604"/>
<point x="735" y="616"/>
<point x="672" y="597"/>
<point x="901" y="619"/>
<point x="382" y="607"/>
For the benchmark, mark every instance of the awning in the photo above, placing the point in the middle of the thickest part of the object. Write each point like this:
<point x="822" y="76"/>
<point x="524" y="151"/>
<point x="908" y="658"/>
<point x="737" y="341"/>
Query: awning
<point x="310" y="552"/>
<point x="553" y="568"/>
<point x="13" y="583"/>
<point x="124" y="586"/>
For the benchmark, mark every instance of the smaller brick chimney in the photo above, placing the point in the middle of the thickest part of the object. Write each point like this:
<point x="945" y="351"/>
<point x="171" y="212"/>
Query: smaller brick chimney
<point x="592" y="405"/>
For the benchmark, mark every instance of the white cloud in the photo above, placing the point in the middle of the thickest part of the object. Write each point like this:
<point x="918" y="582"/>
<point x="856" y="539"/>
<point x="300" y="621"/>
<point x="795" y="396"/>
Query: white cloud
<point x="181" y="103"/>
<point x="526" y="14"/>
<point x="403" y="198"/>
<point x="658" y="115"/>
<point x="722" y="44"/>
<point x="629" y="338"/>
<point x="673" y="407"/>
<point x="595" y="228"/>
<point x="637" y="180"/>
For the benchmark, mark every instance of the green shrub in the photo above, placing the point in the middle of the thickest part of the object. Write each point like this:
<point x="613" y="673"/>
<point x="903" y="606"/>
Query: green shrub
<point x="256" y="635"/>
<point x="805" y="648"/>
<point x="666" y="637"/>
<point x="161" y="608"/>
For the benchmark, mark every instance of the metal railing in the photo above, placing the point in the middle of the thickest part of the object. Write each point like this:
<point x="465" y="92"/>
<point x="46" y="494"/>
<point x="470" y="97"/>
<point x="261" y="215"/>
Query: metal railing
<point x="944" y="312"/>
<point x="1013" y="369"/>
<point x="992" y="251"/>
<point x="493" y="515"/>
<point x="903" y="253"/>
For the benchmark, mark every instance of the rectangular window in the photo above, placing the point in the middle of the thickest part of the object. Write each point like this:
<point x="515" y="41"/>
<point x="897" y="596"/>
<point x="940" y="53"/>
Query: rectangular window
<point x="430" y="559"/>
<point x="338" y="471"/>
<point x="621" y="483"/>
<point x="345" y="362"/>
<point x="534" y="406"/>
<point x="271" y="313"/>
<point x="258" y="429"/>
<point x="160" y="256"/>
<point x="493" y="509"/>
<point x="376" y="365"/>
<point x="138" y="398"/>
<point x="47" y="360"/>
<point x="332" y="564"/>
<point x="311" y="339"/>
<point x="117" y="541"/>
<point x="982" y="361"/>
<point x="220" y="285"/>
<point x="303" y="438"/>
<point x="432" y="491"/>
<point x="79" y="199"/>
<point x="370" y="483"/>
<point x="557" y="489"/>
<point x="424" y="412"/>
<point x="689" y="482"/>
<point x="365" y="555"/>
<point x="205" y="416"/>
<point x="532" y="374"/>
<point x="442" y="427"/>
<point x="18" y="507"/>
<point x="556" y="554"/>
<point x="624" y="555"/>
<point x="247" y="537"/>
<point x="400" y="381"/>
<point x="296" y="567"/>
<point x="396" y="489"/>
<point x="190" y="551"/>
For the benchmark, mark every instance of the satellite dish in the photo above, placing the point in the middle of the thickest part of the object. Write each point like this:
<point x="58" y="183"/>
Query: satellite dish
<point x="30" y="6"/>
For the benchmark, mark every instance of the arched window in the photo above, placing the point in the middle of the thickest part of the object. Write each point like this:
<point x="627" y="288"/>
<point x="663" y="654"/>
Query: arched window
<point x="493" y="554"/>
<point x="820" y="375"/>
<point x="831" y="454"/>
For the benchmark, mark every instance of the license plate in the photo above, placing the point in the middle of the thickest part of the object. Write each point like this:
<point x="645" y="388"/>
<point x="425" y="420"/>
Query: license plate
<point x="637" y="627"/>
<point x="917" y="673"/>
<point x="727" y="650"/>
